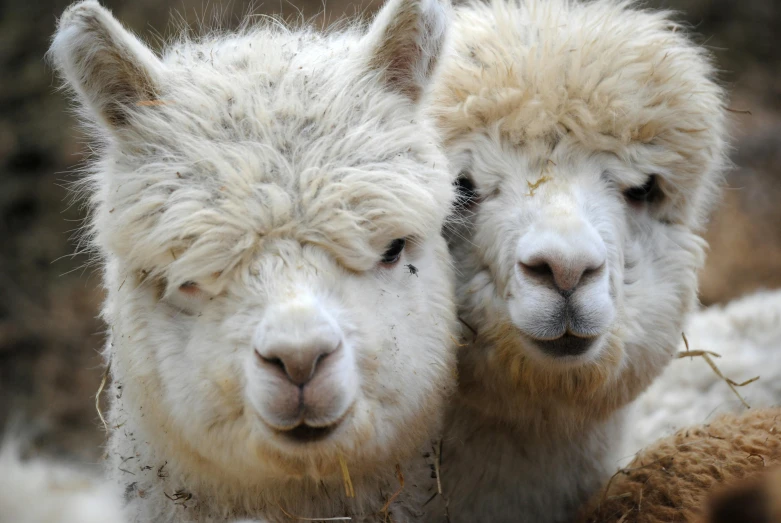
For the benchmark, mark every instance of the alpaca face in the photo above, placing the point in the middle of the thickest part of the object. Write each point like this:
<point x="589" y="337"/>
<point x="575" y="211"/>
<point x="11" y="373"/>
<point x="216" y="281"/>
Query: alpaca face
<point x="292" y="362"/>
<point x="261" y="201"/>
<point x="566" y="245"/>
<point x="588" y="153"/>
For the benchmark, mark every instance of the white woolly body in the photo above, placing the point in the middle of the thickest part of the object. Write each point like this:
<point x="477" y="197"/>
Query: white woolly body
<point x="42" y="491"/>
<point x="746" y="333"/>
<point x="590" y="140"/>
<point x="246" y="192"/>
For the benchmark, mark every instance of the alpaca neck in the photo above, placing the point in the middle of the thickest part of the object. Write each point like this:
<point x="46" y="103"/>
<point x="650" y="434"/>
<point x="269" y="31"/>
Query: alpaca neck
<point x="500" y="404"/>
<point x="533" y="464"/>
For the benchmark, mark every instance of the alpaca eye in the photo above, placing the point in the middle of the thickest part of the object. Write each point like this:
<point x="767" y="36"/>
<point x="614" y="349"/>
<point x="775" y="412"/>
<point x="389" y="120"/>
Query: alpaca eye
<point x="466" y="193"/>
<point x="190" y="288"/>
<point x="393" y="253"/>
<point x="650" y="192"/>
<point x="187" y="300"/>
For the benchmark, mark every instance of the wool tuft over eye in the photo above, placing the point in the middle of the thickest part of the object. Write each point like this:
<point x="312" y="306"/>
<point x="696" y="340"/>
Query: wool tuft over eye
<point x="650" y="192"/>
<point x="393" y="253"/>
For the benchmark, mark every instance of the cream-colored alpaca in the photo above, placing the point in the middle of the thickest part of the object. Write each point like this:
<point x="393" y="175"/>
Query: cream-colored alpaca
<point x="260" y="202"/>
<point x="590" y="140"/>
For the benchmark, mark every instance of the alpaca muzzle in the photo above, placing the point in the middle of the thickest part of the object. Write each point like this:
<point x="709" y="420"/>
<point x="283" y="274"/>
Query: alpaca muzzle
<point x="561" y="302"/>
<point x="302" y="379"/>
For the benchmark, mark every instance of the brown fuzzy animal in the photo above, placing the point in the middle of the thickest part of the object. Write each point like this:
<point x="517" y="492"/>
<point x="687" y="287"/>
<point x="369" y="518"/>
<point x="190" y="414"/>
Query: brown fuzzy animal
<point x="672" y="479"/>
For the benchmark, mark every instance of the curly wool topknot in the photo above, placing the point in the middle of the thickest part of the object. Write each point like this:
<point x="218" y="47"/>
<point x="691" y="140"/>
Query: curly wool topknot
<point x="646" y="84"/>
<point x="672" y="479"/>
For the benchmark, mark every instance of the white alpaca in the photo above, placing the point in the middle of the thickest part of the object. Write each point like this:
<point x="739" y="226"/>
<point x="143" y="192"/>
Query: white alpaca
<point x="260" y="202"/>
<point x="42" y="491"/>
<point x="590" y="140"/>
<point x="746" y="333"/>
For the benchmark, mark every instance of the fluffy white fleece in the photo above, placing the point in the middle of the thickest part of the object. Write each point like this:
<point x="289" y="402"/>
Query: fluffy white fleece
<point x="746" y="333"/>
<point x="43" y="491"/>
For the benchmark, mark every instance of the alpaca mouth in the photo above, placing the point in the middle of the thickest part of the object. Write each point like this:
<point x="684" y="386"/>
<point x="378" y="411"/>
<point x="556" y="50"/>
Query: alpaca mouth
<point x="304" y="433"/>
<point x="567" y="345"/>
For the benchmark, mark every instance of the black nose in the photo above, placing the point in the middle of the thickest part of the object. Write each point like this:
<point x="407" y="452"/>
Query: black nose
<point x="567" y="345"/>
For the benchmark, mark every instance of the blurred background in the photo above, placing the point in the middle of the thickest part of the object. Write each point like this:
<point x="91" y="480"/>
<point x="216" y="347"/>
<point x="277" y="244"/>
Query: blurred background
<point x="50" y="335"/>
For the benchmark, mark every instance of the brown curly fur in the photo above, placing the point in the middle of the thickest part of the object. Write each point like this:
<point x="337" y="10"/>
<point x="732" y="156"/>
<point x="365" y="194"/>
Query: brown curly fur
<point x="671" y="480"/>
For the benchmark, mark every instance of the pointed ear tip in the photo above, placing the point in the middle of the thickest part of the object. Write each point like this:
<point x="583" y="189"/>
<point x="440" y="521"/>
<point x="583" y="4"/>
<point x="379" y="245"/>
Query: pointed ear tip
<point x="106" y="66"/>
<point x="78" y="22"/>
<point x="437" y="14"/>
<point x="80" y="12"/>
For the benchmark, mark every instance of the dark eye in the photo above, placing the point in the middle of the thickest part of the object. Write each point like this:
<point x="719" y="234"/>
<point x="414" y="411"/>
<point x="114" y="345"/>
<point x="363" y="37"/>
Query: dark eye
<point x="393" y="253"/>
<point x="189" y="287"/>
<point x="650" y="192"/>
<point x="466" y="193"/>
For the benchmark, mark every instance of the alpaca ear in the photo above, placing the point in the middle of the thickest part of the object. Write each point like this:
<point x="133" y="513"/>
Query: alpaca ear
<point x="112" y="71"/>
<point x="405" y="42"/>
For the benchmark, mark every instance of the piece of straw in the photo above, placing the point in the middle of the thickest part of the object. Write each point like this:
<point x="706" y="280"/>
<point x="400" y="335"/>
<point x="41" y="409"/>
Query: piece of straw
<point x="100" y="391"/>
<point x="437" y="461"/>
<point x="536" y="185"/>
<point x="152" y="103"/>
<point x="456" y="342"/>
<point x="348" y="483"/>
<point x="706" y="355"/>
<point x="387" y="505"/>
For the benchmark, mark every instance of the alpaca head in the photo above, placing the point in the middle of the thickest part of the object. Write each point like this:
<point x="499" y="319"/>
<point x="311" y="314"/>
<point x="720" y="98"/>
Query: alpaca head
<point x="259" y="201"/>
<point x="589" y="139"/>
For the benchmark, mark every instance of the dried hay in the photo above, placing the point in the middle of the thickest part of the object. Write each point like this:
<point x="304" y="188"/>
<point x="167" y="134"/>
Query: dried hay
<point x="301" y="518"/>
<point x="706" y="355"/>
<point x="348" y="483"/>
<point x="102" y="385"/>
<point x="391" y="499"/>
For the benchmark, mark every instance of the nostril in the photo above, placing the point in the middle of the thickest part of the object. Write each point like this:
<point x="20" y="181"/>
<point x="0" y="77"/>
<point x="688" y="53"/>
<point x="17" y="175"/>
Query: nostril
<point x="319" y="360"/>
<point x="273" y="361"/>
<point x="540" y="269"/>
<point x="593" y="271"/>
<point x="321" y="357"/>
<point x="564" y="277"/>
